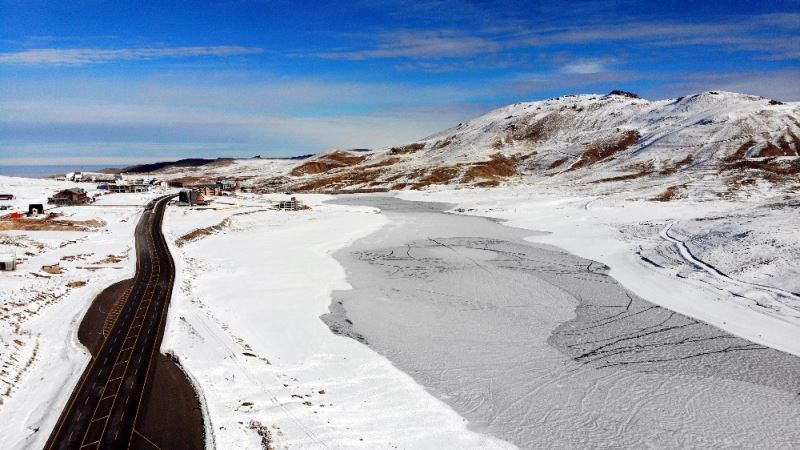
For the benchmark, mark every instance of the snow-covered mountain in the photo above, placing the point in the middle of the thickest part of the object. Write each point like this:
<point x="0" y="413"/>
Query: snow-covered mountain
<point x="712" y="143"/>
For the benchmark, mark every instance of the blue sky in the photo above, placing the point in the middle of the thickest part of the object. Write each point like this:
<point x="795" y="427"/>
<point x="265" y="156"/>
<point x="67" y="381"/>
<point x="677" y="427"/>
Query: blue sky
<point x="123" y="82"/>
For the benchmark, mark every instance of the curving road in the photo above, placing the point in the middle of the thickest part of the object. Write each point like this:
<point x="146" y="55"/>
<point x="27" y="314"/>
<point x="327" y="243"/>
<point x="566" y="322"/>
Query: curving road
<point x="104" y="410"/>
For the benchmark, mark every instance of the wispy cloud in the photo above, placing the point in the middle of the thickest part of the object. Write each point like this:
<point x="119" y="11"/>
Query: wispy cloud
<point x="207" y="114"/>
<point x="82" y="56"/>
<point x="419" y="44"/>
<point x="771" y="36"/>
<point x="585" y="66"/>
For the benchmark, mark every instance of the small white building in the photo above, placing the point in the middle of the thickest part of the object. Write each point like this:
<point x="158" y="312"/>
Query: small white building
<point x="8" y="260"/>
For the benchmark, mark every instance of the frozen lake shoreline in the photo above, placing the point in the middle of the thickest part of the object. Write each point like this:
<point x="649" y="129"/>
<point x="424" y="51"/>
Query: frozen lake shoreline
<point x="542" y="348"/>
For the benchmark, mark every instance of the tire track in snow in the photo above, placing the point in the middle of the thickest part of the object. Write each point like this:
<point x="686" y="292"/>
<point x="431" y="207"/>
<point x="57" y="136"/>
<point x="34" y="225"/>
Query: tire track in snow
<point x="688" y="256"/>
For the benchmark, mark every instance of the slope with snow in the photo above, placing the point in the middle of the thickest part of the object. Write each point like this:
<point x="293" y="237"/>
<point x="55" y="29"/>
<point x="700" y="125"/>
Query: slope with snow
<point x="591" y="141"/>
<point x="40" y="312"/>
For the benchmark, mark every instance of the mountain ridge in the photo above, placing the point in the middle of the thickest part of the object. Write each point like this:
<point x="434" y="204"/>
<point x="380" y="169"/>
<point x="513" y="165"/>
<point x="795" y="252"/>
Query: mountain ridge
<point x="712" y="144"/>
<point x="581" y="139"/>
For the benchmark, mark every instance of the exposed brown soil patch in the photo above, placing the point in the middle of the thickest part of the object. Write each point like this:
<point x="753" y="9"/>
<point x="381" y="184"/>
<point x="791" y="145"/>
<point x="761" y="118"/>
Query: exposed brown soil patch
<point x="631" y="176"/>
<point x="384" y="163"/>
<point x="439" y="175"/>
<point x="536" y="131"/>
<point x="328" y="162"/>
<point x="438" y="145"/>
<point x="599" y="151"/>
<point x="737" y="183"/>
<point x="110" y="259"/>
<point x="76" y="284"/>
<point x="54" y="269"/>
<point x="48" y="224"/>
<point x="395" y="177"/>
<point x="263" y="433"/>
<point x="344" y="181"/>
<point x="200" y="233"/>
<point x="488" y="183"/>
<point x="783" y="147"/>
<point x="406" y="149"/>
<point x="79" y="257"/>
<point x="791" y="168"/>
<point x="669" y="193"/>
<point x="557" y="163"/>
<point x="497" y="168"/>
<point x="741" y="152"/>
<point x="678" y="165"/>
<point x="770" y="170"/>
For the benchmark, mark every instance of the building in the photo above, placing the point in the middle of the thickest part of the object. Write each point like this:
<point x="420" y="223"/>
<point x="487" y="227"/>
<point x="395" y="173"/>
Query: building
<point x="102" y="178"/>
<point x="6" y="196"/>
<point x="73" y="196"/>
<point x="188" y="197"/>
<point x="227" y="185"/>
<point x="8" y="260"/>
<point x="290" y="205"/>
<point x="208" y="190"/>
<point x="126" y="187"/>
<point x="34" y="209"/>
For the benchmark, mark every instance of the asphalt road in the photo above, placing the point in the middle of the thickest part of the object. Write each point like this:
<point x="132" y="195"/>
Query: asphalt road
<point x="105" y="410"/>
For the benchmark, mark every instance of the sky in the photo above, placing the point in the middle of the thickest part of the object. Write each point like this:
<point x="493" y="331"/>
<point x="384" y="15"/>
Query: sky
<point x="115" y="83"/>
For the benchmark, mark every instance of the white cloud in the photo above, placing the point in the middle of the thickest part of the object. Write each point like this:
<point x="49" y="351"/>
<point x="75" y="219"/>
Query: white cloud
<point x="201" y="131"/>
<point x="81" y="56"/>
<point x="420" y="44"/>
<point x="584" y="67"/>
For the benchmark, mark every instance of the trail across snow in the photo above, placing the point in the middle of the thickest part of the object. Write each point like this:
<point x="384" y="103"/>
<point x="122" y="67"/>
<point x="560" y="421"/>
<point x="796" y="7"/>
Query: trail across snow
<point x="692" y="259"/>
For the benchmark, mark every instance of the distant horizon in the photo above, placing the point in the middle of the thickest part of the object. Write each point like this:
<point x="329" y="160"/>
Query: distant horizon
<point x="125" y="162"/>
<point x="89" y="82"/>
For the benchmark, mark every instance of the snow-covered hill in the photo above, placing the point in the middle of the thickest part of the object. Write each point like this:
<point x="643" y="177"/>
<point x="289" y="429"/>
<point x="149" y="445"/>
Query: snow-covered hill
<point x="713" y="143"/>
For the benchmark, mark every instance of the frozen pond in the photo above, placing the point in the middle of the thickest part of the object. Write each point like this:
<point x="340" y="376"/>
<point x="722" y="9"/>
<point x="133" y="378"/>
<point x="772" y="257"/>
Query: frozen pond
<point x="544" y="349"/>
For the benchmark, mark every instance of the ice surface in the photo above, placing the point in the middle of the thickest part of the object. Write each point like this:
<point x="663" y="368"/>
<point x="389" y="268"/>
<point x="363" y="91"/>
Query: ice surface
<point x="544" y="349"/>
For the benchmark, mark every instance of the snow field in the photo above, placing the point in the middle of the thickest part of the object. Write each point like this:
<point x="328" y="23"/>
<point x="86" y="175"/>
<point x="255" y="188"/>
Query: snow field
<point x="41" y="356"/>
<point x="244" y="322"/>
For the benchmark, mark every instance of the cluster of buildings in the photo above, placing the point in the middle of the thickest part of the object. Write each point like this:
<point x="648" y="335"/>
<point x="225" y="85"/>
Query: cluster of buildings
<point x="198" y="194"/>
<point x="113" y="182"/>
<point x="92" y="177"/>
<point x="130" y="185"/>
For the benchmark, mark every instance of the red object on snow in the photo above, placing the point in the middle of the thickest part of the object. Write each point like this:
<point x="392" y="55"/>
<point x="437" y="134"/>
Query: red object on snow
<point x="17" y="215"/>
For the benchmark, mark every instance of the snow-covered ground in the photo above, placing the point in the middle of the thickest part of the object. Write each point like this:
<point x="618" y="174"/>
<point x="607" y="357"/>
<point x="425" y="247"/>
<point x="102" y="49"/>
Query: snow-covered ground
<point x="245" y="317"/>
<point x="244" y="322"/>
<point x="39" y="312"/>
<point x="732" y="264"/>
<point x="248" y="172"/>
